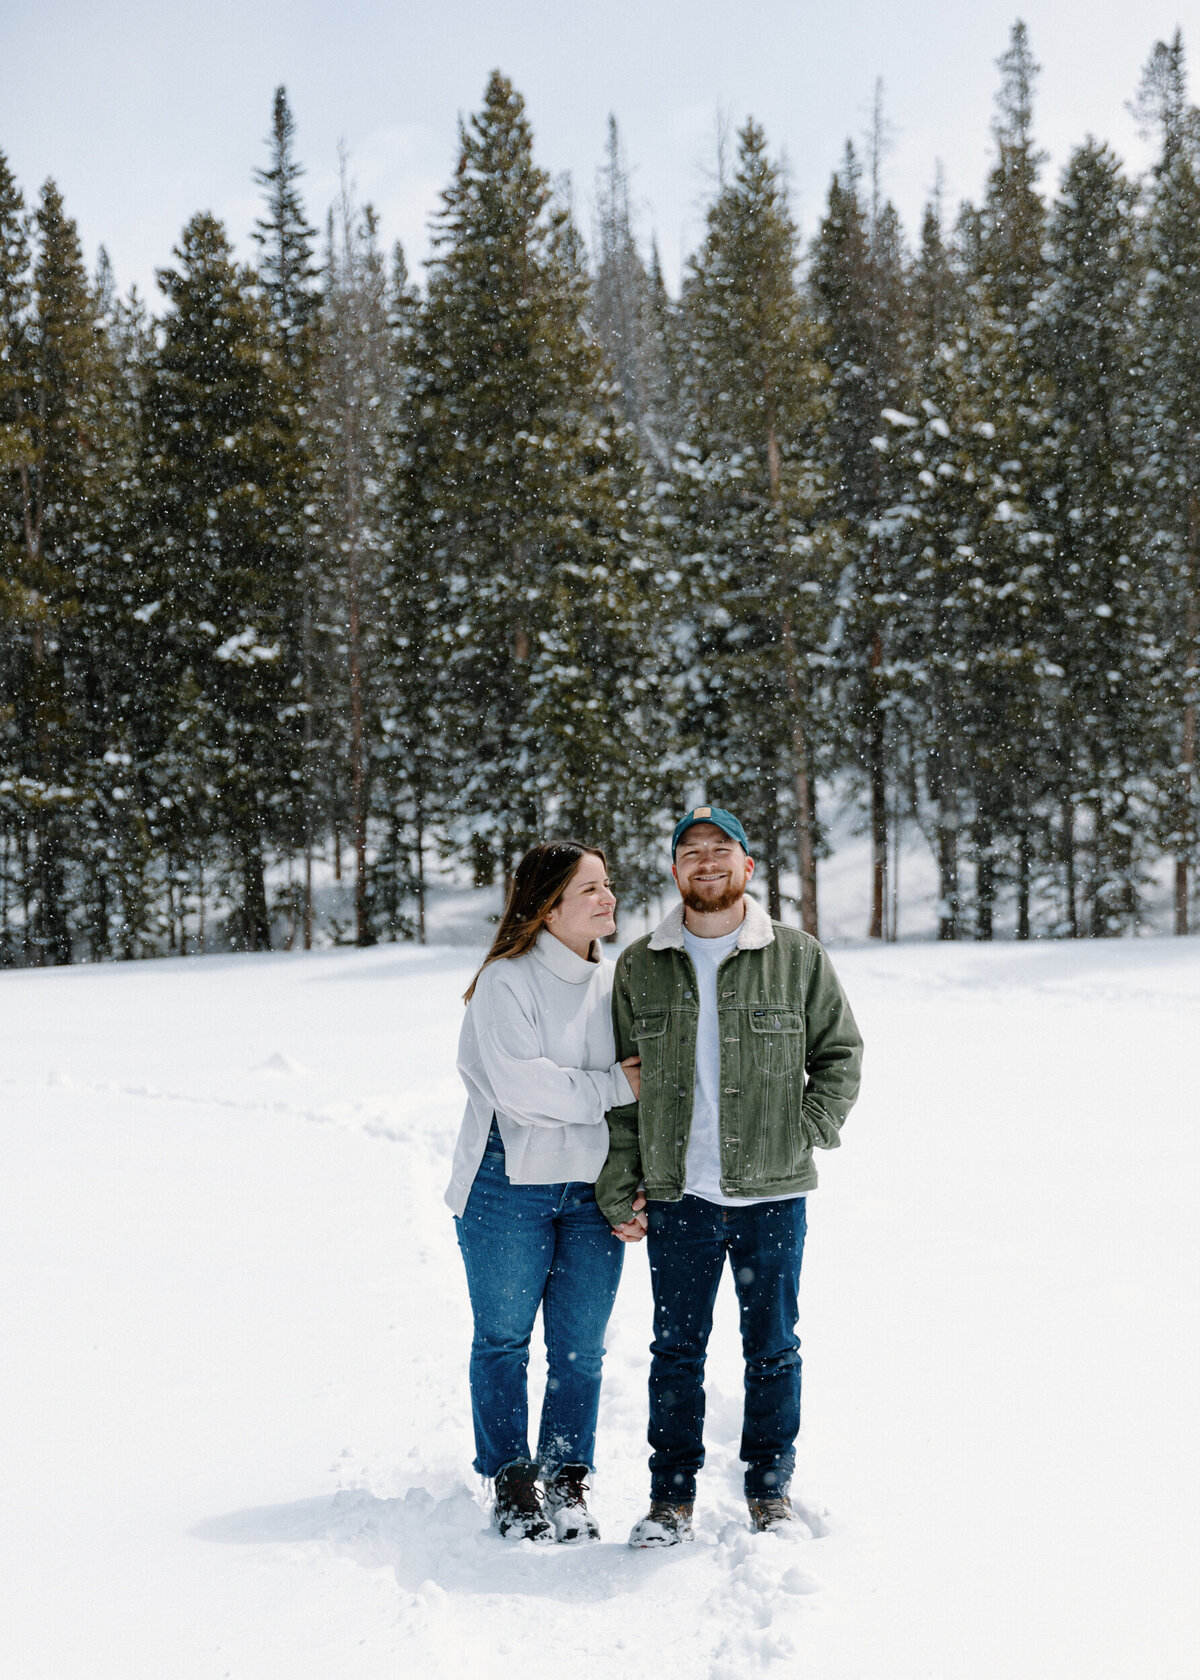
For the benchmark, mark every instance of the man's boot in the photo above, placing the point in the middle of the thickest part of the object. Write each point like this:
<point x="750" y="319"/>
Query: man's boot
<point x="517" y="1511"/>
<point x="663" y="1525"/>
<point x="769" y="1510"/>
<point x="563" y="1499"/>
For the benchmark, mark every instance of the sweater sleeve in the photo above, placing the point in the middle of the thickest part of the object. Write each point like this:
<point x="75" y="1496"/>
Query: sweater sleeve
<point x="528" y="1086"/>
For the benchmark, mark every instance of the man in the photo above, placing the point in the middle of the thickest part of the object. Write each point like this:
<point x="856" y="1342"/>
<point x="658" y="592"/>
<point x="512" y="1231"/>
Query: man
<point x="750" y="1060"/>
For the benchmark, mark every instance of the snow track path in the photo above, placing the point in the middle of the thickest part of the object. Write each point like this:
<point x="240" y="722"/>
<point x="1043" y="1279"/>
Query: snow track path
<point x="234" y="1335"/>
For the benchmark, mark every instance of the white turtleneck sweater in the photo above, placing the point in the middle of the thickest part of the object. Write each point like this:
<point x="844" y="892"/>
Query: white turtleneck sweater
<point x="536" y="1050"/>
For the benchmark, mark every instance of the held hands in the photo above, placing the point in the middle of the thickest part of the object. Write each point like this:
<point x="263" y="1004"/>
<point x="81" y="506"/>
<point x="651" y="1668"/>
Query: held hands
<point x="632" y="1066"/>
<point x="634" y="1229"/>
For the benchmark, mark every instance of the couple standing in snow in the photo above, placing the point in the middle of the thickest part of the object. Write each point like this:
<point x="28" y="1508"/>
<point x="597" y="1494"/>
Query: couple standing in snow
<point x="678" y="1098"/>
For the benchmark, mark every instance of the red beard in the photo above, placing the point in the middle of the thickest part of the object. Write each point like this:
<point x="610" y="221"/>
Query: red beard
<point x="705" y="904"/>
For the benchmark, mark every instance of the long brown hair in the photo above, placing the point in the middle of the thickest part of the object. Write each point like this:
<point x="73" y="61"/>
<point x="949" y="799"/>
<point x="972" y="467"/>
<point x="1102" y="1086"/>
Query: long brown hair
<point x="538" y="884"/>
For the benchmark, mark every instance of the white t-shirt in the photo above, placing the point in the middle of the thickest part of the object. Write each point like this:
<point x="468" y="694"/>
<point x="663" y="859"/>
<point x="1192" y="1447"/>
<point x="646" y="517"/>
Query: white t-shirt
<point x="704" y="1146"/>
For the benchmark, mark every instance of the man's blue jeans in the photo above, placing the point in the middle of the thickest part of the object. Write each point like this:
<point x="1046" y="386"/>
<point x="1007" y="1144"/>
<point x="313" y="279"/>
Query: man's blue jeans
<point x="688" y="1241"/>
<point x="525" y="1246"/>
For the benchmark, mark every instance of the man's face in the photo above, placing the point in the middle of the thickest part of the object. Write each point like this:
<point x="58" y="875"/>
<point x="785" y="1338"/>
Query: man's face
<point x="710" y="869"/>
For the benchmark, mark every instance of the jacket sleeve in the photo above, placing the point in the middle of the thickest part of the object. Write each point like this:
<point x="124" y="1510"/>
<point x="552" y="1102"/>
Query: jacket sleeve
<point x="527" y="1085"/>
<point x="621" y="1173"/>
<point x="833" y="1065"/>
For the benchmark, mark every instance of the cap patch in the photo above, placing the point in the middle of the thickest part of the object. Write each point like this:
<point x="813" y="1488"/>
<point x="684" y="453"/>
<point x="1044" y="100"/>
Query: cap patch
<point x="702" y="811"/>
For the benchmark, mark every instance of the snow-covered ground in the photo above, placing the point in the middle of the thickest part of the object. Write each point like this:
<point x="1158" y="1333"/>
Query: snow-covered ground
<point x="234" y="1330"/>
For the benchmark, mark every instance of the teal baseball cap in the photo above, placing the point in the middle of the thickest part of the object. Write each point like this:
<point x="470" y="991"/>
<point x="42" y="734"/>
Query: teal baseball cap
<point x="724" y="820"/>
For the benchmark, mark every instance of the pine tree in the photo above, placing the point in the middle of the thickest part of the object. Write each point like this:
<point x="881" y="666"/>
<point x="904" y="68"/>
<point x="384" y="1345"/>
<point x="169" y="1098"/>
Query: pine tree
<point x="1169" y="438"/>
<point x="412" y="750"/>
<point x="1105" y="731"/>
<point x="990" y="390"/>
<point x="630" y="314"/>
<point x="221" y="466"/>
<point x="1014" y="216"/>
<point x="288" y="275"/>
<point x="354" y="406"/>
<point x="19" y="604"/>
<point x="285" y="239"/>
<point x="1006" y="280"/>
<point x="60" y="397"/>
<point x="520" y="474"/>
<point x="925" y="652"/>
<point x="969" y="547"/>
<point x="663" y="362"/>
<point x="128" y="887"/>
<point x="747" y="491"/>
<point x="968" y="559"/>
<point x="855" y="284"/>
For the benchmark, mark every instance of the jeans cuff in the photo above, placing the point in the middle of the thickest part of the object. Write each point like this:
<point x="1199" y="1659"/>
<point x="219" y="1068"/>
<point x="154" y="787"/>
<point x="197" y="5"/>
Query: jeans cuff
<point x="768" y="1482"/>
<point x="549" y="1464"/>
<point x="673" y="1493"/>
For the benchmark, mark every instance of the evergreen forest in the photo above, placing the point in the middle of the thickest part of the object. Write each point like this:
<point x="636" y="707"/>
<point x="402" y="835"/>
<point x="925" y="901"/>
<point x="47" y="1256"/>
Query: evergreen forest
<point x="327" y="567"/>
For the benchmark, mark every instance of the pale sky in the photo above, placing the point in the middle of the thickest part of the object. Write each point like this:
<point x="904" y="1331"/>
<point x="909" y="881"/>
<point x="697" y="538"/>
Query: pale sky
<point x="146" y="111"/>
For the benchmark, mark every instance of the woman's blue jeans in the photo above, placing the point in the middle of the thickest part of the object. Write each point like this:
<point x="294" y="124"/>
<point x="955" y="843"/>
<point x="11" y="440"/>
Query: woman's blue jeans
<point x="525" y="1246"/>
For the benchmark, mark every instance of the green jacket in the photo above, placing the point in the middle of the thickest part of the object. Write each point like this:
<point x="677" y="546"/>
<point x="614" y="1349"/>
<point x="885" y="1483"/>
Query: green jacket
<point x="791" y="1056"/>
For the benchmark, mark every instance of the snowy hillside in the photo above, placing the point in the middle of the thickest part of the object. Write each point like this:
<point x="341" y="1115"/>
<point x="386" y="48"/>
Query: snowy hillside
<point x="235" y="1330"/>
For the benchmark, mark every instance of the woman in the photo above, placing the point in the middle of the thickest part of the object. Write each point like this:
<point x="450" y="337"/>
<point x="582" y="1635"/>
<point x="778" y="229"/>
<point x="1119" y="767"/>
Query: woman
<point x="536" y="1055"/>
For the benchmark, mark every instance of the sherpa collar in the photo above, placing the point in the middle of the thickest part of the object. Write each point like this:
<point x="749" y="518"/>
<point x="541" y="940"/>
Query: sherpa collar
<point x="756" y="930"/>
<point x="562" y="961"/>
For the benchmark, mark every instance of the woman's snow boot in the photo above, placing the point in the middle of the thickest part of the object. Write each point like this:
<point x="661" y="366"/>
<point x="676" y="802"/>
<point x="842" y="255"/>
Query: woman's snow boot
<point x="517" y="1511"/>
<point x="565" y="1506"/>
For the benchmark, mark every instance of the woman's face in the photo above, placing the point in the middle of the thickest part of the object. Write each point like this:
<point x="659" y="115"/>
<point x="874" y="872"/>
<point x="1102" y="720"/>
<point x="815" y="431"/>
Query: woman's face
<point x="586" y="909"/>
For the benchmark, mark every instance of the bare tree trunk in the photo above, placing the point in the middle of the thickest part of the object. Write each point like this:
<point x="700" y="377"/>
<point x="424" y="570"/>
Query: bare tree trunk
<point x="170" y="905"/>
<point x="806" y="823"/>
<point x="985" y="881"/>
<point x="1071" y="885"/>
<point x="1067" y="844"/>
<point x="362" y="927"/>
<point x="307" y="684"/>
<point x="771" y="846"/>
<point x="1181" y="893"/>
<point x="5" y="848"/>
<point x="941" y="781"/>
<point x="1187" y="756"/>
<point x="949" y="909"/>
<point x="419" y="823"/>
<point x="1094" y="891"/>
<point x="894" y="877"/>
<point x="1023" y="870"/>
<point x="806" y="856"/>
<point x="290" y="936"/>
<point x="26" y="892"/>
<point x="256" y="918"/>
<point x="879" y="822"/>
<point x="53" y="932"/>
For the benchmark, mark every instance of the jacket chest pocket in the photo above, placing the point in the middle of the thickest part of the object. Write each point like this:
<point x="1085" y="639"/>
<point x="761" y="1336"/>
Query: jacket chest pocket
<point x="777" y="1041"/>
<point x="650" y="1037"/>
<point x="649" y="1034"/>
